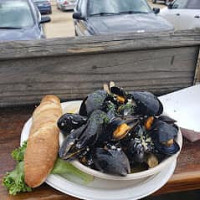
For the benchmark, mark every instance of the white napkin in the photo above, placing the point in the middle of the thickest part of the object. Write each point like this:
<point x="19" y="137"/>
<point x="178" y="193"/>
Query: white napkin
<point x="184" y="107"/>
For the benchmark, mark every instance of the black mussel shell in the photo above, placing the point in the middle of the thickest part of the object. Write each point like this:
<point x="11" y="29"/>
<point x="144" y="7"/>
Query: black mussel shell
<point x="111" y="161"/>
<point x="163" y="131"/>
<point x="147" y="103"/>
<point x="118" y="91"/>
<point x="68" y="122"/>
<point x="68" y="148"/>
<point x="94" y="129"/>
<point x="112" y="126"/>
<point x="135" y="151"/>
<point x="92" y="102"/>
<point x="167" y="150"/>
<point x="86" y="158"/>
<point x="118" y="128"/>
<point x="167" y="119"/>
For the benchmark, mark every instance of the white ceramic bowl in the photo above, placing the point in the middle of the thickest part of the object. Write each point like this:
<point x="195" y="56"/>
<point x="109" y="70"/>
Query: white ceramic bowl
<point x="73" y="107"/>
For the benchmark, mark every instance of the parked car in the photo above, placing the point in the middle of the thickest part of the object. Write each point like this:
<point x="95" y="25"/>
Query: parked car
<point x="20" y="20"/>
<point x="44" y="6"/>
<point x="183" y="14"/>
<point x="66" y="4"/>
<point x="163" y="1"/>
<point x="94" y="17"/>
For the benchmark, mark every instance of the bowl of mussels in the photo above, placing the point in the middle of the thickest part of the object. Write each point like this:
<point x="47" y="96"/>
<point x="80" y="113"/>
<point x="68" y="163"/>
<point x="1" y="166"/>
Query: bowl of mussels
<point x="119" y="135"/>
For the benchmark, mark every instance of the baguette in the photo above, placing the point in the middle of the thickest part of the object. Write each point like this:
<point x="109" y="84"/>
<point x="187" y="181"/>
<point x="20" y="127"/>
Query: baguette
<point x="43" y="141"/>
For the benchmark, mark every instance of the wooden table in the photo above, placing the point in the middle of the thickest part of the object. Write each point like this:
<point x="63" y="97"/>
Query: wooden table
<point x="186" y="175"/>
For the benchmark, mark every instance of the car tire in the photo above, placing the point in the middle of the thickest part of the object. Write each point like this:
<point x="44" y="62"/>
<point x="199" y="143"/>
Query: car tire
<point x="154" y="1"/>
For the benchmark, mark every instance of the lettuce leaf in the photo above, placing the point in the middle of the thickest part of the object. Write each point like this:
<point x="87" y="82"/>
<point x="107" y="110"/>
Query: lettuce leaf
<point x="14" y="180"/>
<point x="68" y="171"/>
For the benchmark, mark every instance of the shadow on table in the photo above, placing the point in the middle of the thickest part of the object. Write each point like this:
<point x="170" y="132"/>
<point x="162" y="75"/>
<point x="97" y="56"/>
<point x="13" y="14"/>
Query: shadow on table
<point x="189" y="195"/>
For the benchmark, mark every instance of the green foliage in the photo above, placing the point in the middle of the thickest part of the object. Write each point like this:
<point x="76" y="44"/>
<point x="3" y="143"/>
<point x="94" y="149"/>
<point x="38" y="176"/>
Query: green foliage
<point x="14" y="180"/>
<point x="18" y="154"/>
<point x="66" y="169"/>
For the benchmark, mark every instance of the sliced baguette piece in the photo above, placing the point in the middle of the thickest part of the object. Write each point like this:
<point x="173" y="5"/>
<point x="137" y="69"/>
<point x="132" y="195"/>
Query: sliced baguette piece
<point x="43" y="142"/>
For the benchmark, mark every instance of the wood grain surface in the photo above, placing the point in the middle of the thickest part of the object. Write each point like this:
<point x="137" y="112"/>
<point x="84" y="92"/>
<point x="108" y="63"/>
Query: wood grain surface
<point x="98" y="44"/>
<point x="186" y="176"/>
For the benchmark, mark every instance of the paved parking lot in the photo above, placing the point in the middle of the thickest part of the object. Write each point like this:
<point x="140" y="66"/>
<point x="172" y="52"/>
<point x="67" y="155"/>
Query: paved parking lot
<point x="61" y="24"/>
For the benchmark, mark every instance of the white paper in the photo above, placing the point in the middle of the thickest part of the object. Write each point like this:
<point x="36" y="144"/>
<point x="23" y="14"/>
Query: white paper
<point x="184" y="107"/>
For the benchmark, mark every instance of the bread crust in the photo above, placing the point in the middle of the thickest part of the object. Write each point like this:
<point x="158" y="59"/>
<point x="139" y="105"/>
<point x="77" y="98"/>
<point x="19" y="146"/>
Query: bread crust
<point x="43" y="142"/>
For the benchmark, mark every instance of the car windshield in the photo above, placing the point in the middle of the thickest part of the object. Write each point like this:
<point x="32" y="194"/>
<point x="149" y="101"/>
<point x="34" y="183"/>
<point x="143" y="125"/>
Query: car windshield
<point x="15" y="14"/>
<point x="112" y="7"/>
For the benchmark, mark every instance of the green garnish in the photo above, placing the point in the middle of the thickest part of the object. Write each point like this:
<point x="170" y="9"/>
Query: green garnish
<point x="66" y="169"/>
<point x="18" y="153"/>
<point x="14" y="180"/>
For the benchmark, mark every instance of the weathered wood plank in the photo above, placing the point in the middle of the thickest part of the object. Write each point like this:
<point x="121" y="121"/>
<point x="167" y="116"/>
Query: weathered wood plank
<point x="168" y="60"/>
<point x="21" y="88"/>
<point x="72" y="68"/>
<point x="75" y="77"/>
<point x="67" y="96"/>
<point x="97" y="44"/>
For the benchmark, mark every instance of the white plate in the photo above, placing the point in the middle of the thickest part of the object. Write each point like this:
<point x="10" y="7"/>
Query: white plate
<point x="73" y="107"/>
<point x="101" y="189"/>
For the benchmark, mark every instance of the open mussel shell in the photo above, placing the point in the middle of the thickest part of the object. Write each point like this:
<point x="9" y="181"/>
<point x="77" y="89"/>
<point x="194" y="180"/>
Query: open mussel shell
<point x="167" y="150"/>
<point x="163" y="131"/>
<point x="118" y="91"/>
<point x="113" y="129"/>
<point x="68" y="147"/>
<point x="118" y="127"/>
<point x="68" y="122"/>
<point x="93" y="130"/>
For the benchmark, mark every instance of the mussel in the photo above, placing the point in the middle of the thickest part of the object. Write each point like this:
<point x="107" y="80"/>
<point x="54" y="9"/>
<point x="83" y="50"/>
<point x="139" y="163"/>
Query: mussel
<point x="94" y="129"/>
<point x="163" y="135"/>
<point x="119" y="127"/>
<point x="68" y="122"/>
<point x="135" y="151"/>
<point x="93" y="101"/>
<point x="120" y="94"/>
<point x="112" y="161"/>
<point x="84" y="136"/>
<point x="68" y="148"/>
<point x="147" y="103"/>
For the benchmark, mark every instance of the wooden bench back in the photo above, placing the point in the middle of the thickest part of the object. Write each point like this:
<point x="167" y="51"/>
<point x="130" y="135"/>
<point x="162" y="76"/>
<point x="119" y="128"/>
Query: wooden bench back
<point x="73" y="67"/>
